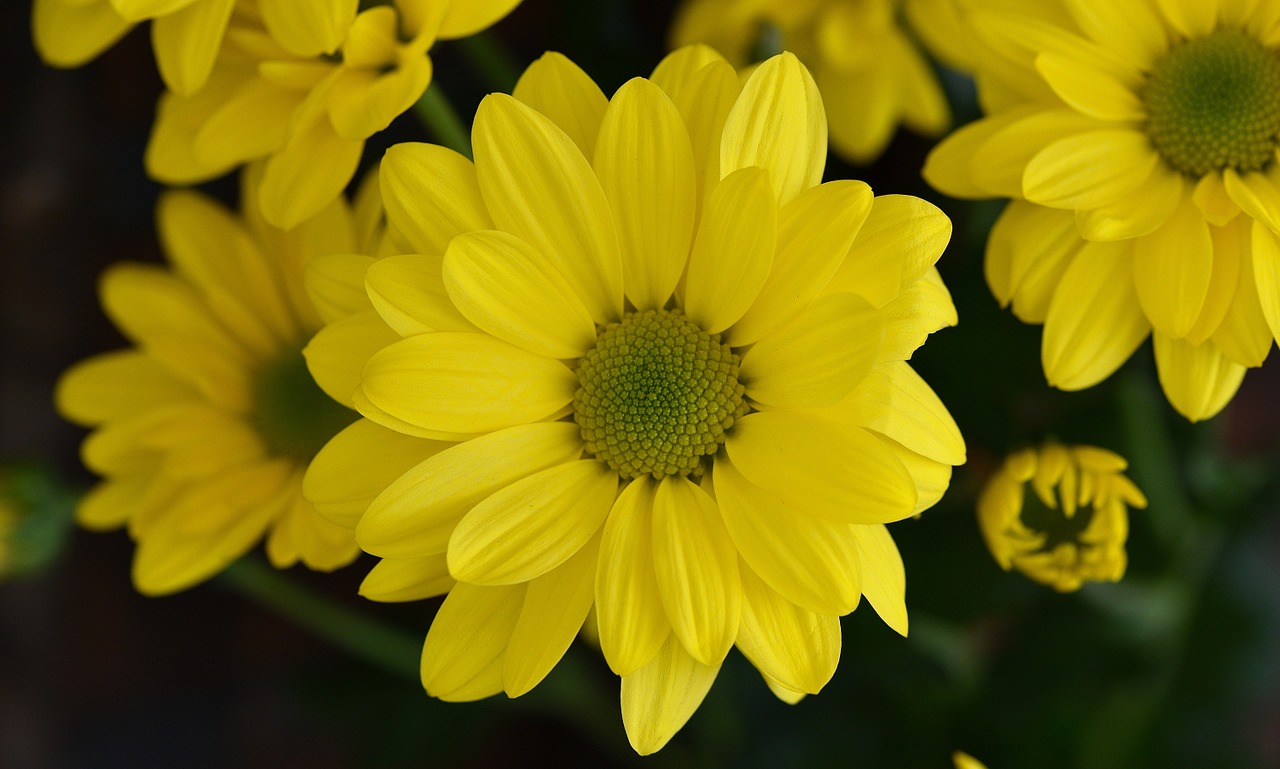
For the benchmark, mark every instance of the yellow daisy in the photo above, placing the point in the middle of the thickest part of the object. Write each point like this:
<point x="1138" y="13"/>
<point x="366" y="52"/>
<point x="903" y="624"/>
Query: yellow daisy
<point x="290" y="106"/>
<point x="203" y="429"/>
<point x="186" y="34"/>
<point x="653" y="367"/>
<point x="865" y="56"/>
<point x="1073" y="525"/>
<point x="1139" y="141"/>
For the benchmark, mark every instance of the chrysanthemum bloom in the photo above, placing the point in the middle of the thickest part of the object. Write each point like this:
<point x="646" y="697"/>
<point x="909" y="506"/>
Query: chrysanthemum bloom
<point x="203" y="429"/>
<point x="186" y="34"/>
<point x="307" y="115"/>
<point x="1070" y="526"/>
<point x="1139" y="141"/>
<point x="865" y="56"/>
<point x="965" y="761"/>
<point x="652" y="365"/>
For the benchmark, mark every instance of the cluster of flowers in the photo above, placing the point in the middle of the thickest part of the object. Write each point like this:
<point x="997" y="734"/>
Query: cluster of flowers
<point x="635" y="367"/>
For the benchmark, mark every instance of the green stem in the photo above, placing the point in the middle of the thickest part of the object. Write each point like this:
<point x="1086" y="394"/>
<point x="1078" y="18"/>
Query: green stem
<point x="492" y="60"/>
<point x="383" y="646"/>
<point x="442" y="119"/>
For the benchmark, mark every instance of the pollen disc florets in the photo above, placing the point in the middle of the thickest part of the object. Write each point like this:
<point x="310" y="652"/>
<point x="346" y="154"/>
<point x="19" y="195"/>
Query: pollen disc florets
<point x="292" y="415"/>
<point x="656" y="394"/>
<point x="1214" y="103"/>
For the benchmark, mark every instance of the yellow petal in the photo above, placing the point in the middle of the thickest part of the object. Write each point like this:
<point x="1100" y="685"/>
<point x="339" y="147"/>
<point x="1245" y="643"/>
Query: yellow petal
<point x="465" y="383"/>
<point x="778" y="124"/>
<point x="504" y="286"/>
<point x="999" y="163"/>
<point x="817" y="359"/>
<point x="555" y="607"/>
<point x="815" y="233"/>
<point x="660" y="697"/>
<point x="1231" y="249"/>
<point x="109" y="504"/>
<point x="1089" y="169"/>
<point x="704" y="88"/>
<point x="1094" y="322"/>
<point x="407" y="579"/>
<point x="1139" y="213"/>
<point x="1192" y="18"/>
<point x="949" y="167"/>
<point x="363" y="102"/>
<point x="633" y="625"/>
<point x="835" y="472"/>
<point x="462" y="19"/>
<point x="1266" y="272"/>
<point x="115" y="385"/>
<point x="1211" y="196"/>
<point x="1122" y="27"/>
<point x="645" y="165"/>
<point x="1091" y="91"/>
<point x="559" y="89"/>
<point x="1244" y="335"/>
<point x="883" y="577"/>
<point x="697" y="569"/>
<point x="337" y="353"/>
<point x="431" y="194"/>
<point x="141" y="10"/>
<point x="69" y="34"/>
<point x="186" y="43"/>
<point x="790" y="645"/>
<point x="810" y="561"/>
<point x="1036" y="244"/>
<point x="539" y="187"/>
<point x="1257" y="194"/>
<point x="335" y="285"/>
<point x="415" y="515"/>
<point x="1171" y="271"/>
<point x="308" y="29"/>
<point x="1197" y="379"/>
<point x="409" y="294"/>
<point x="901" y="239"/>
<point x="357" y="465"/>
<point x="923" y="308"/>
<point x="733" y="252"/>
<point x="462" y="656"/>
<point x="532" y="526"/>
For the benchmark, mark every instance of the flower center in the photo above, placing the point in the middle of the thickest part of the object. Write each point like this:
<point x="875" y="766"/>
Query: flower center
<point x="294" y="417"/>
<point x="656" y="394"/>
<point x="1214" y="103"/>
<point x="1053" y="523"/>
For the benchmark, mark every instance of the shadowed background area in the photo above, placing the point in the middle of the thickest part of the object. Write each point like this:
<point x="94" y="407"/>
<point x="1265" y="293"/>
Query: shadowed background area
<point x="1176" y="666"/>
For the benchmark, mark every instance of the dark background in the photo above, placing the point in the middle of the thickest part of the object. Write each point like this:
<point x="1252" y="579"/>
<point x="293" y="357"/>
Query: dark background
<point x="1177" y="666"/>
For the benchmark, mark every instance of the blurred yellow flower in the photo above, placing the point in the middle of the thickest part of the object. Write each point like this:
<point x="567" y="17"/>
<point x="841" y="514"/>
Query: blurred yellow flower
<point x="965" y="761"/>
<point x="307" y="115"/>
<point x="186" y="34"/>
<point x="649" y="364"/>
<point x="1072" y="526"/>
<point x="865" y="56"/>
<point x="1139" y="143"/>
<point x="203" y="429"/>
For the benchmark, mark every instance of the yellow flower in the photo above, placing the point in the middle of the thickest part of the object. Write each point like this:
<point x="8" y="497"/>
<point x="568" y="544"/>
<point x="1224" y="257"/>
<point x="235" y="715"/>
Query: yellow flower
<point x="1146" y="200"/>
<point x="864" y="55"/>
<point x="186" y="34"/>
<point x="650" y="365"/>
<point x="1072" y="527"/>
<point x="965" y="761"/>
<point x="203" y="429"/>
<point x="266" y="100"/>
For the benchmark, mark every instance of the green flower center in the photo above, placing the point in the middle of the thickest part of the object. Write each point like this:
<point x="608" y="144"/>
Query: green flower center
<point x="294" y="417"/>
<point x="1053" y="523"/>
<point x="656" y="394"/>
<point x="1214" y="103"/>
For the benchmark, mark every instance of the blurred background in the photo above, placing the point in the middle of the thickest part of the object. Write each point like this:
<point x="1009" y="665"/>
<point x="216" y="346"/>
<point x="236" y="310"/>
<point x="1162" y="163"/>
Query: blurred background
<point x="1176" y="666"/>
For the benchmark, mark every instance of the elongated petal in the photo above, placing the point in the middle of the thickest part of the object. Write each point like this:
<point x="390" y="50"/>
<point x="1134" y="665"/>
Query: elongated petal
<point x="790" y="645"/>
<point x="704" y="88"/>
<point x="1257" y="194"/>
<point x="1266" y="272"/>
<point x="507" y="288"/>
<point x="186" y="43"/>
<point x="1197" y="379"/>
<point x="645" y="164"/>
<point x="900" y="241"/>
<point x="555" y="607"/>
<point x="1121" y="27"/>
<point x="363" y="101"/>
<point x="308" y="29"/>
<point x="462" y="656"/>
<point x="1139" y="213"/>
<point x="1089" y="169"/>
<point x="337" y="353"/>
<point x="733" y="252"/>
<point x="811" y="561"/>
<point x="1094" y="322"/>
<point x="415" y="515"/>
<point x="69" y="34"/>
<point x="465" y="383"/>
<point x="1190" y="17"/>
<point x="431" y="194"/>
<point x="1171" y="271"/>
<point x="659" y="698"/>
<point x="559" y="89"/>
<point x="838" y="473"/>
<point x="1091" y="91"/>
<point x="1244" y="334"/>
<point x="697" y="568"/>
<point x="467" y="18"/>
<point x="409" y="294"/>
<point x="923" y="308"/>
<point x="335" y="285"/>
<point x="394" y="580"/>
<point x="816" y="231"/>
<point x="817" y="359"/>
<point x="632" y="622"/>
<point x="115" y="385"/>
<point x="532" y="526"/>
<point x="538" y="186"/>
<point x="778" y="124"/>
<point x="357" y="465"/>
<point x="884" y="580"/>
